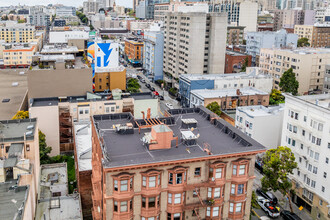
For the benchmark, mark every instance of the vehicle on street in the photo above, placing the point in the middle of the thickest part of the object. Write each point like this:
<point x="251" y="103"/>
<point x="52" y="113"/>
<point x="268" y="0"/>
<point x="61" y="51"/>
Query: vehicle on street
<point x="264" y="218"/>
<point x="161" y="97"/>
<point x="169" y="105"/>
<point x="268" y="207"/>
<point x="156" y="93"/>
<point x="148" y="86"/>
<point x="143" y="80"/>
<point x="152" y="89"/>
<point x="287" y="215"/>
<point x="268" y="195"/>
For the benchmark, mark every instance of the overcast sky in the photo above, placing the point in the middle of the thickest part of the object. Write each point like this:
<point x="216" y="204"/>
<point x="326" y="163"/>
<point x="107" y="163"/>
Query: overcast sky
<point x="127" y="3"/>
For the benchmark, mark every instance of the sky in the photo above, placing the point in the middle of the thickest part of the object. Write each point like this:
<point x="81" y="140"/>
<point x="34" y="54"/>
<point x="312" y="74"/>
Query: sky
<point x="127" y="3"/>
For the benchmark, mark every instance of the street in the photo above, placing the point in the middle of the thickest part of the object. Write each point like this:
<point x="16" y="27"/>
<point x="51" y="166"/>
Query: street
<point x="282" y="201"/>
<point x="130" y="71"/>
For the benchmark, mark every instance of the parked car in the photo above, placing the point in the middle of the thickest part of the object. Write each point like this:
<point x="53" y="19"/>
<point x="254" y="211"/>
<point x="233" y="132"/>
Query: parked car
<point x="268" y="195"/>
<point x="143" y="80"/>
<point x="268" y="207"/>
<point x="148" y="86"/>
<point x="156" y="93"/>
<point x="152" y="89"/>
<point x="287" y="215"/>
<point x="169" y="105"/>
<point x="161" y="97"/>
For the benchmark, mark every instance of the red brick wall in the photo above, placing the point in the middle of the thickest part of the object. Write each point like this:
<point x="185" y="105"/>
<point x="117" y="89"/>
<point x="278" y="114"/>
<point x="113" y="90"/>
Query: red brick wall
<point x="235" y="60"/>
<point x="85" y="190"/>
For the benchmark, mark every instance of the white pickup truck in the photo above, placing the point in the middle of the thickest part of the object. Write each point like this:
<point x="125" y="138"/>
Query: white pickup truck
<point x="268" y="207"/>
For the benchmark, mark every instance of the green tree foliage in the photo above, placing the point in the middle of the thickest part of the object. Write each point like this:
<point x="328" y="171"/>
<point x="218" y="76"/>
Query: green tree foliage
<point x="303" y="42"/>
<point x="245" y="64"/>
<point x="84" y="20"/>
<point x="21" y="21"/>
<point x="276" y="97"/>
<point x="278" y="164"/>
<point x="12" y="12"/>
<point x="133" y="85"/>
<point x="21" y="115"/>
<point x="214" y="107"/>
<point x="288" y="82"/>
<point x="82" y="17"/>
<point x="173" y="91"/>
<point x="44" y="150"/>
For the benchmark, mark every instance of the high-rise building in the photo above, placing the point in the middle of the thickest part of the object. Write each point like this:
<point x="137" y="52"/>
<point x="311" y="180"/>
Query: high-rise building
<point x="318" y="34"/>
<point x="91" y="7"/>
<point x="13" y="32"/>
<point x="171" y="168"/>
<point x="266" y="39"/>
<point x="307" y="63"/>
<point x="40" y="19"/>
<point x="306" y="131"/>
<point x="194" y="43"/>
<point x="65" y="11"/>
<point x="145" y="9"/>
<point x="290" y="18"/>
<point x="248" y="15"/>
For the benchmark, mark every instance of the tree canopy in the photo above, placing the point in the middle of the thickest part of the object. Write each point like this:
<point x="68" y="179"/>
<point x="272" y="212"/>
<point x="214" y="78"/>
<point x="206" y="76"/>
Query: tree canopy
<point x="303" y="42"/>
<point x="21" y="115"/>
<point x="276" y="97"/>
<point x="288" y="82"/>
<point x="278" y="164"/>
<point x="214" y="107"/>
<point x="245" y="64"/>
<point x="44" y="150"/>
<point x="133" y="85"/>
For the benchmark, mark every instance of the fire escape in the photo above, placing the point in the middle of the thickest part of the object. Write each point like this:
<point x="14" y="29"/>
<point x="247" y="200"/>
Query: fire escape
<point x="66" y="137"/>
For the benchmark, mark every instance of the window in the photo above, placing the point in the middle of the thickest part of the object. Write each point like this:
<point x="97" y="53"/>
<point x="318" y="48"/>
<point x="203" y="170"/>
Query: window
<point x="327" y="160"/>
<point x="152" y="181"/>
<point x="218" y="173"/>
<point x="197" y="171"/>
<point x="321" y="202"/>
<point x="170" y="178"/>
<point x="217" y="192"/>
<point x="169" y="198"/>
<point x="195" y="192"/>
<point x="235" y="170"/>
<point x="233" y="188"/>
<point x="123" y="206"/>
<point x="178" y="178"/>
<point x="231" y="207"/>
<point x="123" y="185"/>
<point x="115" y="206"/>
<point x="238" y="207"/>
<point x="242" y="169"/>
<point x="215" y="211"/>
<point x="177" y="198"/>
<point x="144" y="181"/>
<point x="27" y="147"/>
<point x="323" y="189"/>
<point x="240" y="189"/>
<point x="325" y="175"/>
<point x="152" y="202"/>
<point x="116" y="185"/>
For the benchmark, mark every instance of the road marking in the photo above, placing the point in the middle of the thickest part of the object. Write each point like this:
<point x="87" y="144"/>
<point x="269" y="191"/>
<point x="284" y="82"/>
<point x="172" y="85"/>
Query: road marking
<point x="161" y="112"/>
<point x="255" y="213"/>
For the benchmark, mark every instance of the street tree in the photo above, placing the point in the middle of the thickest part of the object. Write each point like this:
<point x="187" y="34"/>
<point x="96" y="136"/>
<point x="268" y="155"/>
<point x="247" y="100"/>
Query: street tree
<point x="303" y="42"/>
<point x="279" y="163"/>
<point x="276" y="97"/>
<point x="214" y="107"/>
<point x="44" y="150"/>
<point x="289" y="83"/>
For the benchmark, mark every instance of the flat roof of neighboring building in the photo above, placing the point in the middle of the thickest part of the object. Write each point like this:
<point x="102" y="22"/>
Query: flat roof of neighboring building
<point x="320" y="100"/>
<point x="12" y="200"/>
<point x="13" y="88"/>
<point x="121" y="150"/>
<point x="260" y="110"/>
<point x="134" y="42"/>
<point x="52" y="175"/>
<point x="210" y="93"/>
<point x="59" y="49"/>
<point x="14" y="130"/>
<point x="83" y="144"/>
<point x="56" y="57"/>
<point x="236" y="53"/>
<point x="303" y="50"/>
<point x="58" y="208"/>
<point x="253" y="74"/>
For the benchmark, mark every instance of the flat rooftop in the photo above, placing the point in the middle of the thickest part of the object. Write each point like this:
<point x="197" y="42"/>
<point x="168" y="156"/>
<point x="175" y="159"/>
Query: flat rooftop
<point x="260" y="110"/>
<point x="8" y="207"/>
<point x="52" y="172"/>
<point x="235" y="53"/>
<point x="321" y="100"/>
<point x="56" y="57"/>
<point x="60" y="49"/>
<point x="210" y="93"/>
<point x="14" y="130"/>
<point x="253" y="74"/>
<point x="127" y="149"/>
<point x="303" y="50"/>
<point x="83" y="140"/>
<point x="64" y="207"/>
<point x="13" y="87"/>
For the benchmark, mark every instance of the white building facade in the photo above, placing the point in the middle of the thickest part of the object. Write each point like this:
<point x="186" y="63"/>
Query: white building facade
<point x="306" y="128"/>
<point x="251" y="120"/>
<point x="64" y="36"/>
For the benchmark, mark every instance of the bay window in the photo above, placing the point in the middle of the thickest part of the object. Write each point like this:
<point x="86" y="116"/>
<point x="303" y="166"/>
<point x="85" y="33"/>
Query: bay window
<point x="213" y="192"/>
<point x="240" y="167"/>
<point x="177" y="176"/>
<point x="217" y="170"/>
<point x="123" y="183"/>
<point x="122" y="206"/>
<point x="218" y="173"/>
<point x="237" y="189"/>
<point x="212" y="211"/>
<point x="150" y="202"/>
<point x="174" y="216"/>
<point x="236" y="207"/>
<point x="176" y="198"/>
<point x="151" y="179"/>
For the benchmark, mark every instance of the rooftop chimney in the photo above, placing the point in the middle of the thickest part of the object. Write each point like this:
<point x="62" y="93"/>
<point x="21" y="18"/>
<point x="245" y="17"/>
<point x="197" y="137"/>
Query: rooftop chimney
<point x="160" y="137"/>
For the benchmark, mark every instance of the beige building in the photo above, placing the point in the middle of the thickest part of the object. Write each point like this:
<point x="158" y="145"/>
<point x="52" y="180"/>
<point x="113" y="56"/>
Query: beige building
<point x="18" y="55"/>
<point x="12" y="32"/>
<point x="57" y="114"/>
<point x="307" y="63"/>
<point x="19" y="168"/>
<point x="318" y="34"/>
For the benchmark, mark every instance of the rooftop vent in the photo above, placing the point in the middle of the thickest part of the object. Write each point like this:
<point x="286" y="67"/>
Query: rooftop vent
<point x="189" y="138"/>
<point x="188" y="123"/>
<point x="124" y="128"/>
<point x="14" y="84"/>
<point x="21" y="73"/>
<point x="29" y="133"/>
<point x="5" y="100"/>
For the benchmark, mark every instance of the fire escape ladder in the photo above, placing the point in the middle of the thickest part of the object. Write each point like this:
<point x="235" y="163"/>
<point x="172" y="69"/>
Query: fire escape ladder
<point x="199" y="197"/>
<point x="196" y="212"/>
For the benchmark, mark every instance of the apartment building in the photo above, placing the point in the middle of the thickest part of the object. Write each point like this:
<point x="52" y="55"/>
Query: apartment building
<point x="153" y="50"/>
<point x="90" y="7"/>
<point x="65" y="10"/>
<point x="194" y="43"/>
<point x="57" y="114"/>
<point x="145" y="9"/>
<point x="235" y="61"/>
<point x="248" y="15"/>
<point x="39" y="19"/>
<point x="326" y="87"/>
<point x="251" y="121"/>
<point x="318" y="34"/>
<point x="168" y="168"/>
<point x="60" y="37"/>
<point x="288" y="18"/>
<point x="258" y="40"/>
<point x="235" y="35"/>
<point x="19" y="168"/>
<point x="252" y="78"/>
<point x="307" y="63"/>
<point x="18" y="56"/>
<point x="229" y="98"/>
<point x="110" y="79"/>
<point x="306" y="131"/>
<point x="134" y="51"/>
<point x="13" y="32"/>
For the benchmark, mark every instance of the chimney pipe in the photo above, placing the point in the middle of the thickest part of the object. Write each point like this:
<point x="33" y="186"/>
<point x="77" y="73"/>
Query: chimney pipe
<point x="238" y="92"/>
<point x="148" y="113"/>
<point x="142" y="114"/>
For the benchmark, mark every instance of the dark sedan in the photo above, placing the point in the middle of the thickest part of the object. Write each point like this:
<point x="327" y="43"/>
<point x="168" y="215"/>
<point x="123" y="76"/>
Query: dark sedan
<point x="286" y="215"/>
